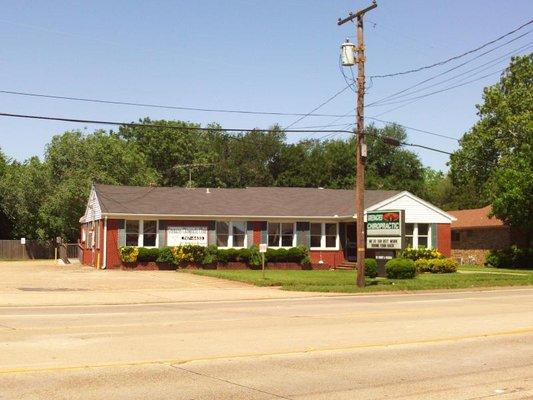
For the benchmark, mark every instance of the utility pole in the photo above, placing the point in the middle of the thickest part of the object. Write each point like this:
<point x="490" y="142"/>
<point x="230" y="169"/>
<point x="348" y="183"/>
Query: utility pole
<point x="360" y="152"/>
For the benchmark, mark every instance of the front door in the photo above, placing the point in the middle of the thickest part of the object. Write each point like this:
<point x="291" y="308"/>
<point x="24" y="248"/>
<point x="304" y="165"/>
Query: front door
<point x="351" y="242"/>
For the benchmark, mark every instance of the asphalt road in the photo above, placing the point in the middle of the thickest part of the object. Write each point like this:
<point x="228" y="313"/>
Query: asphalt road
<point x="268" y="345"/>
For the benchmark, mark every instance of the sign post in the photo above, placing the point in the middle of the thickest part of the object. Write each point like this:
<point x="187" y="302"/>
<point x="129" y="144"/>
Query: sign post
<point x="262" y="250"/>
<point x="385" y="234"/>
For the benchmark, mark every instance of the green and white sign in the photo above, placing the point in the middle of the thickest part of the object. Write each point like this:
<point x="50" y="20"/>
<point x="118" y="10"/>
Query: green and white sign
<point x="385" y="229"/>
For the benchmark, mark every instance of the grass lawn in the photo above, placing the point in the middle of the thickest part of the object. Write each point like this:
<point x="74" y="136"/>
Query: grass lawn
<point x="344" y="281"/>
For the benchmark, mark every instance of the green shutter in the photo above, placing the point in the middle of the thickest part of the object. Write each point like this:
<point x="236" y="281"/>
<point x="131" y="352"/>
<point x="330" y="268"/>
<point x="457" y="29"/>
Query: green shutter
<point x="121" y="232"/>
<point x="264" y="232"/>
<point x="342" y="235"/>
<point x="212" y="233"/>
<point x="250" y="233"/>
<point x="434" y="237"/>
<point x="162" y="233"/>
<point x="303" y="237"/>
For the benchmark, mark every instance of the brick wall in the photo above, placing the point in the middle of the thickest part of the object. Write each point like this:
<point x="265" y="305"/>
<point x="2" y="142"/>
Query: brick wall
<point x="444" y="239"/>
<point x="113" y="259"/>
<point x="330" y="257"/>
<point x="474" y="244"/>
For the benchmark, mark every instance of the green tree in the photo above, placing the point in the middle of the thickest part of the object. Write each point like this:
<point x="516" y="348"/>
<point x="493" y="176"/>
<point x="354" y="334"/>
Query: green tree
<point x="5" y="223"/>
<point x="494" y="163"/>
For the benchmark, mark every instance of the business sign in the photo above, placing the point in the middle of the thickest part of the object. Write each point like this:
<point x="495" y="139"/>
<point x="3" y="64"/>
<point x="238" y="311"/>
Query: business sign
<point x="181" y="235"/>
<point x="385" y="229"/>
<point x="263" y="248"/>
<point x="384" y="223"/>
<point x="391" y="243"/>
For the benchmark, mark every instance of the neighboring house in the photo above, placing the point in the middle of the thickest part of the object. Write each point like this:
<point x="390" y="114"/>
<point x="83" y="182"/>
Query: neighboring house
<point x="474" y="234"/>
<point x="321" y="219"/>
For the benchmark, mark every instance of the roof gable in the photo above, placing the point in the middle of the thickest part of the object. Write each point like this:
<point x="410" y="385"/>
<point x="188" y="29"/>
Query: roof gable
<point x="416" y="209"/>
<point x="93" y="211"/>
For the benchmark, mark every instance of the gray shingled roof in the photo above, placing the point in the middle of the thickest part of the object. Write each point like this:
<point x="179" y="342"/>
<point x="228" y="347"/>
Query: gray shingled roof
<point x="254" y="201"/>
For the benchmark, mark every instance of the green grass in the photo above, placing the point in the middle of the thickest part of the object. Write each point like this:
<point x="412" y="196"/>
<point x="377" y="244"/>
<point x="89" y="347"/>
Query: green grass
<point x="344" y="281"/>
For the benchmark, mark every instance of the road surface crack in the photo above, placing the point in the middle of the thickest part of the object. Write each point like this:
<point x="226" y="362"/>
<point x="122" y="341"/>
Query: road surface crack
<point x="229" y="382"/>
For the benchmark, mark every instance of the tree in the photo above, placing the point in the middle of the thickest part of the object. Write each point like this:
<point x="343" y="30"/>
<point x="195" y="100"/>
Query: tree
<point x="5" y="223"/>
<point x="494" y="163"/>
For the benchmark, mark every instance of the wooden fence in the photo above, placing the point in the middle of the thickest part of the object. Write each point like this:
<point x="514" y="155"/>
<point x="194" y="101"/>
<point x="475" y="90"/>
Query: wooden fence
<point x="13" y="250"/>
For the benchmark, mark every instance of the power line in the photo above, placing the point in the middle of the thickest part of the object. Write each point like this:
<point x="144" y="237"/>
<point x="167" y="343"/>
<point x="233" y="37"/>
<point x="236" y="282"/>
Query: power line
<point x="454" y="57"/>
<point x="162" y="106"/>
<point x="415" y="129"/>
<point x="447" y="71"/>
<point x="479" y="67"/>
<point x="133" y="124"/>
<point x="141" y="125"/>
<point x="319" y="106"/>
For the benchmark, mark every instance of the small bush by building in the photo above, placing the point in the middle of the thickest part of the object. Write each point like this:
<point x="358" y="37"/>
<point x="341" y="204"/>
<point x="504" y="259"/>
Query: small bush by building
<point x="511" y="257"/>
<point x="436" y="265"/>
<point x="400" y="268"/>
<point x="416" y="254"/>
<point x="371" y="267"/>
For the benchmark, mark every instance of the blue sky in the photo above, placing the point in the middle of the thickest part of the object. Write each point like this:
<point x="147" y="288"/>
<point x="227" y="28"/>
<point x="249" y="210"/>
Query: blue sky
<point x="240" y="54"/>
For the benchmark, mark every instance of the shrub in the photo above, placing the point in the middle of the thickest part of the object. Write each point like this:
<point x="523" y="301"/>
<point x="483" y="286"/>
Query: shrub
<point x="211" y="255"/>
<point x="166" y="256"/>
<point x="128" y="254"/>
<point x="233" y="254"/>
<point x="371" y="267"/>
<point x="442" y="265"/>
<point x="511" y="257"/>
<point x="222" y="256"/>
<point x="243" y="255"/>
<point x="148" y="254"/>
<point x="296" y="254"/>
<point x="415" y="254"/>
<point x="400" y="268"/>
<point x="255" y="259"/>
<point x="181" y="256"/>
<point x="422" y="265"/>
<point x="194" y="253"/>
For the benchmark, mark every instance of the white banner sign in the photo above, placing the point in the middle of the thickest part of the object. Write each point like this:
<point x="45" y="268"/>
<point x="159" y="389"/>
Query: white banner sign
<point x="181" y="235"/>
<point x="393" y="243"/>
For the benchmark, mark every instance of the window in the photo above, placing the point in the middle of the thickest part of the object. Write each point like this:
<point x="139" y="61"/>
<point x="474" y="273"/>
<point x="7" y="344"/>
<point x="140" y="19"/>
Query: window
<point x="141" y="233"/>
<point x="239" y="233"/>
<point x="149" y="233"/>
<point x="456" y="236"/>
<point x="316" y="235"/>
<point x="222" y="234"/>
<point x="231" y="233"/>
<point x="323" y="235"/>
<point x="132" y="233"/>
<point x="280" y="234"/>
<point x="418" y="236"/>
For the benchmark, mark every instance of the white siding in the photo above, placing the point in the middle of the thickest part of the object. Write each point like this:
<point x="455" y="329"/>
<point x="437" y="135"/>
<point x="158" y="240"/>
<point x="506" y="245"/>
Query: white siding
<point x="415" y="209"/>
<point x="93" y="210"/>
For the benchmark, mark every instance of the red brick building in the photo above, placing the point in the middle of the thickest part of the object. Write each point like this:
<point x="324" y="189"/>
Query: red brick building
<point x="474" y="234"/>
<point x="321" y="219"/>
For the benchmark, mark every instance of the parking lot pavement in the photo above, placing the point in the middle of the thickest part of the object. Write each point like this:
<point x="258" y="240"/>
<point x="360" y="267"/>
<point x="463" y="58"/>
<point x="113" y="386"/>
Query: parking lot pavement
<point x="45" y="283"/>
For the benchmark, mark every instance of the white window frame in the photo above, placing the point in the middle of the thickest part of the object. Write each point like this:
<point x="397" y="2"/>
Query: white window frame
<point x="140" y="238"/>
<point x="415" y="235"/>
<point x="323" y="236"/>
<point x="294" y="238"/>
<point x="230" y="235"/>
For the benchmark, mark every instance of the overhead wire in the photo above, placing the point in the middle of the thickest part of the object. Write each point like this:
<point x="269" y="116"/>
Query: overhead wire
<point x="439" y="63"/>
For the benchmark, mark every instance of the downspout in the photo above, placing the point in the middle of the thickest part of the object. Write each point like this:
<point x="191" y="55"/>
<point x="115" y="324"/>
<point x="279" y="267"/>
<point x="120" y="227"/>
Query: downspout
<point x="104" y="263"/>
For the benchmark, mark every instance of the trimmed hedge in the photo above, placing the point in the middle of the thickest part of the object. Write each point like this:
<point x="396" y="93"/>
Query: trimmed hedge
<point x="182" y="255"/>
<point x="371" y="268"/>
<point x="400" y="268"/>
<point x="436" y="265"/>
<point x="416" y="254"/>
<point x="512" y="257"/>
